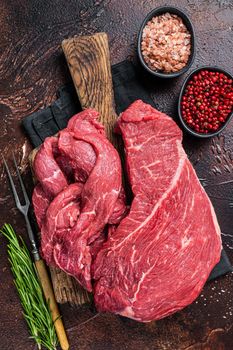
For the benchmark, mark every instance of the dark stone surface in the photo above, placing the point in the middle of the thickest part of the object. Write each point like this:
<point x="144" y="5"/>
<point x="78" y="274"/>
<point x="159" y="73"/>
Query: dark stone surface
<point x="32" y="67"/>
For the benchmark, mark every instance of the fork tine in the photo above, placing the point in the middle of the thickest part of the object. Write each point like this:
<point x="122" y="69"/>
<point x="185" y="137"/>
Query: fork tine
<point x="21" y="181"/>
<point x="17" y="202"/>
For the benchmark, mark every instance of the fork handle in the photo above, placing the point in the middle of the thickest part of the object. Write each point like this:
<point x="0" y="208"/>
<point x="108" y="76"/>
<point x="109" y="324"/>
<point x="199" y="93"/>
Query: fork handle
<point x="49" y="296"/>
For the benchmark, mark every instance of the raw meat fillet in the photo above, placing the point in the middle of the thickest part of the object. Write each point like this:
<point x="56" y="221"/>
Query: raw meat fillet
<point x="158" y="259"/>
<point x="72" y="216"/>
<point x="47" y="170"/>
<point x="51" y="178"/>
<point x="86" y="122"/>
<point x="61" y="216"/>
<point x="80" y="154"/>
<point x="98" y="198"/>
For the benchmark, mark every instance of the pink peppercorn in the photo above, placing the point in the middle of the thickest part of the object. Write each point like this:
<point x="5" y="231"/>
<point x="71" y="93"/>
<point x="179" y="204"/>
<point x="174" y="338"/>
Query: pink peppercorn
<point x="207" y="101"/>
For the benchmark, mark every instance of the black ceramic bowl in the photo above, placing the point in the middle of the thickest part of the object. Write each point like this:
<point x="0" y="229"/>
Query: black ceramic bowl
<point x="159" y="11"/>
<point x="185" y="126"/>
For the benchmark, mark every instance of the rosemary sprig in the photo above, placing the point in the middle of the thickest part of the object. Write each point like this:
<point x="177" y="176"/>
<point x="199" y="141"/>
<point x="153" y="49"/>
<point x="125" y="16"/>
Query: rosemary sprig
<point x="36" y="309"/>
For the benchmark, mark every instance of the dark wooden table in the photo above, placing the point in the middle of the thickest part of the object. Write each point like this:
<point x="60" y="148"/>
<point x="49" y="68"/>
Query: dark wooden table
<point x="32" y="67"/>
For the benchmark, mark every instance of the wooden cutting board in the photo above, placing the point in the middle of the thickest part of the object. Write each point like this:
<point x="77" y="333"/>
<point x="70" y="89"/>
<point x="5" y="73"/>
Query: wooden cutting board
<point x="88" y="59"/>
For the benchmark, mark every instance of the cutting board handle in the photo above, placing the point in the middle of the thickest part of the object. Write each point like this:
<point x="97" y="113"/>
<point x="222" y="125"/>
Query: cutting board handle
<point x="88" y="59"/>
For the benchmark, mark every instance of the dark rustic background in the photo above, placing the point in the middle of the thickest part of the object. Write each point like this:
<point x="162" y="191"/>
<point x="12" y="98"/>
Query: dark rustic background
<point x="32" y="67"/>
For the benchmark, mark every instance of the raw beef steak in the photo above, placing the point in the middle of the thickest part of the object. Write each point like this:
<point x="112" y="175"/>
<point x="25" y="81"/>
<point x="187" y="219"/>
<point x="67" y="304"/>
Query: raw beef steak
<point x="158" y="259"/>
<point x="79" y="192"/>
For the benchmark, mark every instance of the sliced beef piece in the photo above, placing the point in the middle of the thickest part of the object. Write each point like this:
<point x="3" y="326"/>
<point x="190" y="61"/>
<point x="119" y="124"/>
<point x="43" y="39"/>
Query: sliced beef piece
<point x="46" y="169"/>
<point x="80" y="154"/>
<point x="160" y="256"/>
<point x="53" y="172"/>
<point x="41" y="202"/>
<point x="86" y="122"/>
<point x="61" y="216"/>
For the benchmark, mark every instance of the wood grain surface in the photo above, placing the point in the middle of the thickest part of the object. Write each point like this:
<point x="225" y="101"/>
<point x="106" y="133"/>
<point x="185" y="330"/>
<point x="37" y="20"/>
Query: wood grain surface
<point x="88" y="59"/>
<point x="32" y="67"/>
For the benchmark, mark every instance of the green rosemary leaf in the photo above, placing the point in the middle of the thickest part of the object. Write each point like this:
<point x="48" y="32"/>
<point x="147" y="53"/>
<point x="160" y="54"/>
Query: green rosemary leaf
<point x="35" y="308"/>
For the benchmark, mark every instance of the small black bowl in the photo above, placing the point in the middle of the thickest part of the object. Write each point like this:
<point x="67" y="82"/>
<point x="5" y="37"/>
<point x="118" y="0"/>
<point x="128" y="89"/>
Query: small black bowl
<point x="185" y="126"/>
<point x="159" y="11"/>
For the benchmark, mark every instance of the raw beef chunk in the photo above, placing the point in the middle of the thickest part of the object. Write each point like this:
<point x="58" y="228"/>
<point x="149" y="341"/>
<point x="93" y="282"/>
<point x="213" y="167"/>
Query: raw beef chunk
<point x="72" y="216"/>
<point x="158" y="259"/>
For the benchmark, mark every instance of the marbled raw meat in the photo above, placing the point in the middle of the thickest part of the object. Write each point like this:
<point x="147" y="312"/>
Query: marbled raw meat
<point x="72" y="216"/>
<point x="160" y="256"/>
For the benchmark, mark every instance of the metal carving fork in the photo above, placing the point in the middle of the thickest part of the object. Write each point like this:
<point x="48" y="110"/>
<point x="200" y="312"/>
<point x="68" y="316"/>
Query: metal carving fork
<point x="40" y="265"/>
